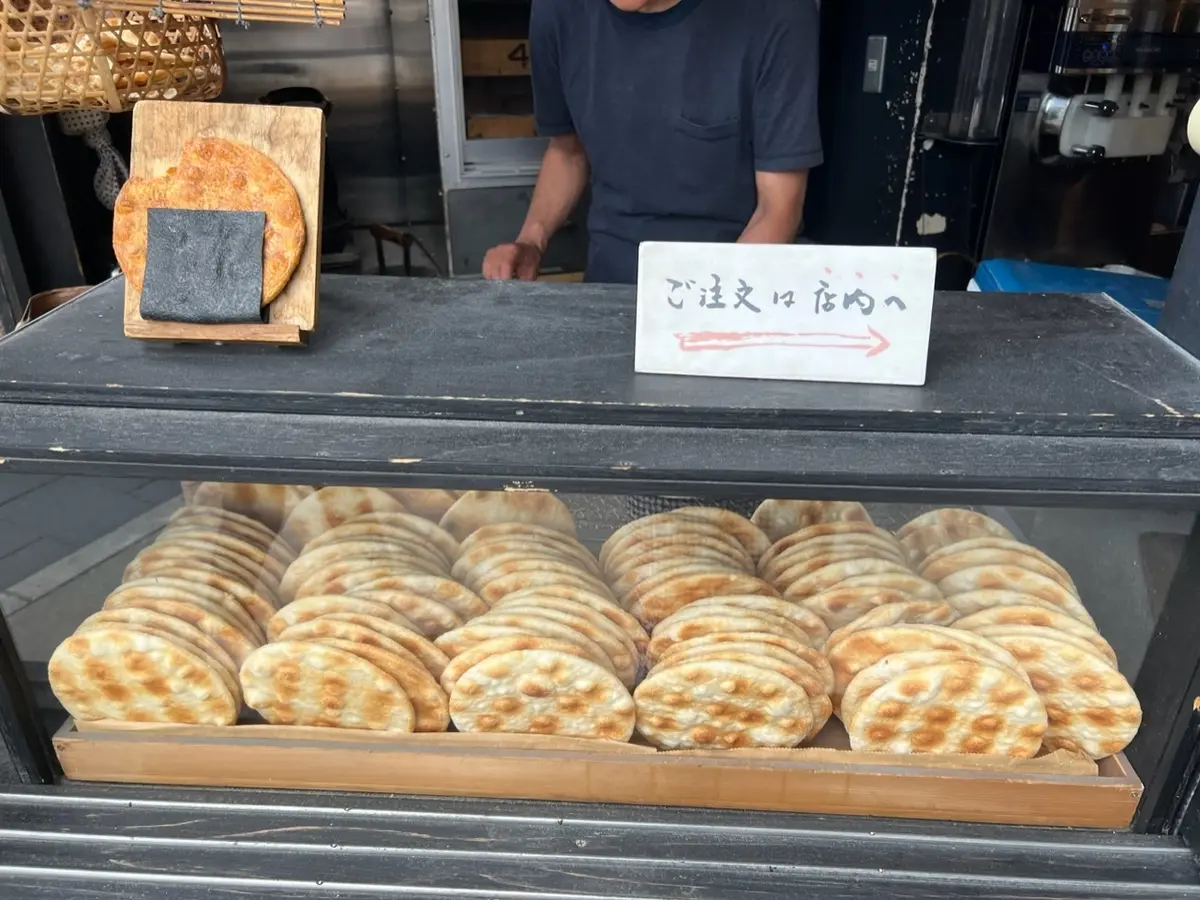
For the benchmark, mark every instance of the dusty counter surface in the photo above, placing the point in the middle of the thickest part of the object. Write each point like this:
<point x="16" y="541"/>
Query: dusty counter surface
<point x="1041" y="400"/>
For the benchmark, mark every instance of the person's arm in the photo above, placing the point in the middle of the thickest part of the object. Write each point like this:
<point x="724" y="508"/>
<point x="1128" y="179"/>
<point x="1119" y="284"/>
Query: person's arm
<point x="560" y="184"/>
<point x="787" y="137"/>
<point x="776" y="218"/>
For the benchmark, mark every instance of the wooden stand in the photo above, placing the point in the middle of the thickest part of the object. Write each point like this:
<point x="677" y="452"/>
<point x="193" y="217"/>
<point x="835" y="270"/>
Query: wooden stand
<point x="1054" y="790"/>
<point x="294" y="137"/>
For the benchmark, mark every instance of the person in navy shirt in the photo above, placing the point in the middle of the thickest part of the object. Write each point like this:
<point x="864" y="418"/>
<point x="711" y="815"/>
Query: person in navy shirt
<point x="692" y="120"/>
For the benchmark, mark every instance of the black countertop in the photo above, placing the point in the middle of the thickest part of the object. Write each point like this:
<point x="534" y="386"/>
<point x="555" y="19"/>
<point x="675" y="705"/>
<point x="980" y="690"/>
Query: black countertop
<point x="1065" y="365"/>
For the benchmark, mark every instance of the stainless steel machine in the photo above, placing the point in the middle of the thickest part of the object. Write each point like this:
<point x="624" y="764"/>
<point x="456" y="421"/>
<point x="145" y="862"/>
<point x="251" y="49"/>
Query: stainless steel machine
<point x="1094" y="162"/>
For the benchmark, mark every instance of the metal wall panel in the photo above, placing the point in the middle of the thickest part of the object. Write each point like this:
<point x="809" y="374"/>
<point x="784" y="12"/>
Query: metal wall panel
<point x="376" y="68"/>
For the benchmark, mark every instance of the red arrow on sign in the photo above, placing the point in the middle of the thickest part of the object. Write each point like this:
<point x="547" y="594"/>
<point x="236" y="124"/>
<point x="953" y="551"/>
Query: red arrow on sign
<point x="702" y="341"/>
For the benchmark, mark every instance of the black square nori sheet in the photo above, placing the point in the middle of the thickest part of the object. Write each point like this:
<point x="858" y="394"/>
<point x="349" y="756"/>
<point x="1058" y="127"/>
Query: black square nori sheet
<point x="203" y="266"/>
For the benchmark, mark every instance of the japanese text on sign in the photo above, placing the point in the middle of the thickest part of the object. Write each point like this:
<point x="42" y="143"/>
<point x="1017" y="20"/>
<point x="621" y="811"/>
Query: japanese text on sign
<point x="801" y="312"/>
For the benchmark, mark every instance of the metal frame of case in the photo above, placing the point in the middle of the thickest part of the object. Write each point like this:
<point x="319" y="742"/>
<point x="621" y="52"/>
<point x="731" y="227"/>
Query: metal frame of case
<point x="447" y="409"/>
<point x="494" y="162"/>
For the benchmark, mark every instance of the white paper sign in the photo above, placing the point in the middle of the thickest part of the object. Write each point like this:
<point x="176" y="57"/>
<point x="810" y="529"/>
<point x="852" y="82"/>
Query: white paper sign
<point x="801" y="312"/>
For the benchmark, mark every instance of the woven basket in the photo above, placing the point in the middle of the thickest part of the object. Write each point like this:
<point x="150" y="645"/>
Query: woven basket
<point x="58" y="55"/>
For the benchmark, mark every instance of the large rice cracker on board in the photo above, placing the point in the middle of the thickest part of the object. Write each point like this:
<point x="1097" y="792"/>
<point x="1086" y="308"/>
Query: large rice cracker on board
<point x="476" y="509"/>
<point x="333" y="506"/>
<point x="270" y="504"/>
<point x="1090" y="704"/>
<point x="426" y="695"/>
<point x="132" y="676"/>
<point x="423" y="649"/>
<point x="961" y="706"/>
<point x="477" y="653"/>
<point x="755" y="644"/>
<point x="1005" y="616"/>
<point x="779" y="518"/>
<point x="808" y="622"/>
<point x="720" y="704"/>
<point x="1014" y="578"/>
<point x="542" y="692"/>
<point x="948" y="565"/>
<point x="431" y="531"/>
<point x="794" y="669"/>
<point x="850" y="656"/>
<point x="305" y="683"/>
<point x="677" y="593"/>
<point x="619" y="649"/>
<point x="841" y="606"/>
<point x="214" y="173"/>
<point x="319" y="605"/>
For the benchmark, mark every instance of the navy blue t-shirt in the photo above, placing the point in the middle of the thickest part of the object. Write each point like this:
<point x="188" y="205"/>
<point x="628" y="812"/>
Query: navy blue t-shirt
<point x="677" y="110"/>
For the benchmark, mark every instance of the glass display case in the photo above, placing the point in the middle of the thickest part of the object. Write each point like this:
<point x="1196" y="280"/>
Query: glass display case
<point x="573" y="631"/>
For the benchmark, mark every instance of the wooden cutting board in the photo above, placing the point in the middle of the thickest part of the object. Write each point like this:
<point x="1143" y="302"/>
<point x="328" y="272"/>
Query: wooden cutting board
<point x="294" y="137"/>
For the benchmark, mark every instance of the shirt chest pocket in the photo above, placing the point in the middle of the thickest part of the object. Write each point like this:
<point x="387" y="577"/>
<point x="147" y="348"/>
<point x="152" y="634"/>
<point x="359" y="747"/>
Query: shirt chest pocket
<point x="711" y="158"/>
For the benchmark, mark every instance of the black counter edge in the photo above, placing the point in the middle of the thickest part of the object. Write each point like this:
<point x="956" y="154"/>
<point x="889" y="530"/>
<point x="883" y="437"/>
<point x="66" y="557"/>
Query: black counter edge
<point x="602" y="458"/>
<point x="80" y="841"/>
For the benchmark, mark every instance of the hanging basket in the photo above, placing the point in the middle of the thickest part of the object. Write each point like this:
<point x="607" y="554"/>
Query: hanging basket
<point x="58" y="55"/>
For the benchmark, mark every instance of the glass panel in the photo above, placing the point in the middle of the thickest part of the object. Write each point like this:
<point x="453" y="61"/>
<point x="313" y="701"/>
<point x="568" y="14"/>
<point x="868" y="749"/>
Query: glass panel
<point x="1020" y="613"/>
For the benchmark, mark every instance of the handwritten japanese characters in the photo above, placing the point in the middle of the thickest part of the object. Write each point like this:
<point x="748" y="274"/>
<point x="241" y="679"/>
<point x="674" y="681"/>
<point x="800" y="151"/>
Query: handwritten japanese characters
<point x="804" y="311"/>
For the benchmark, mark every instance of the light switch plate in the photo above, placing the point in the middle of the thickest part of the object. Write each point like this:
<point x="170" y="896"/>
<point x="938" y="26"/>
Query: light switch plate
<point x="876" y="58"/>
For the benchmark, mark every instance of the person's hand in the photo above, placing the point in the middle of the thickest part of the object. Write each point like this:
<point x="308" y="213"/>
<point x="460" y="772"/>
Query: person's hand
<point x="516" y="260"/>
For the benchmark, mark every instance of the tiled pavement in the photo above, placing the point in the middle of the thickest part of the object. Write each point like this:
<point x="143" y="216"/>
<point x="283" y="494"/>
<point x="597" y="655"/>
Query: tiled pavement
<point x="63" y="543"/>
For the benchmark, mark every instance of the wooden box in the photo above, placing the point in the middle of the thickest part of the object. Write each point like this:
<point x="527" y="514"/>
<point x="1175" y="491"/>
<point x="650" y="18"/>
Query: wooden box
<point x="495" y="56"/>
<point x="1054" y="790"/>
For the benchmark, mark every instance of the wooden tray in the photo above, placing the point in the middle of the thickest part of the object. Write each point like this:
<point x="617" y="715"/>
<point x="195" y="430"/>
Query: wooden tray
<point x="1053" y="790"/>
<point x="294" y="137"/>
